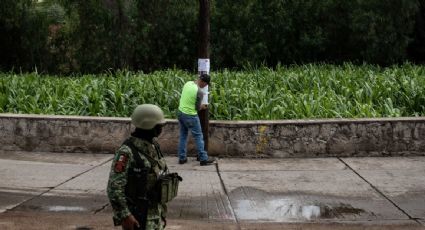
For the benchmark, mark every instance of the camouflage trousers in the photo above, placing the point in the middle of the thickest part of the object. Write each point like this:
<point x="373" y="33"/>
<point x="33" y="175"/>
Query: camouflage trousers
<point x="153" y="224"/>
<point x="154" y="220"/>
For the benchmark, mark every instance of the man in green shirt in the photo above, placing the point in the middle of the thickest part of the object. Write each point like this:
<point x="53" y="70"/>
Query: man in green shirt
<point x="190" y="104"/>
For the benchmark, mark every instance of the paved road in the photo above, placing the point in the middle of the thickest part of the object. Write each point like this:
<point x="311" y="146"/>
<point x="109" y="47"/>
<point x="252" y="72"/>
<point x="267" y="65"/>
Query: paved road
<point x="67" y="191"/>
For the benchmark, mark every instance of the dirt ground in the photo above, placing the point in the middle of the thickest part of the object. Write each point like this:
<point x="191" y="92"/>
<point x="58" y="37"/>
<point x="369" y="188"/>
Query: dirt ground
<point x="40" y="220"/>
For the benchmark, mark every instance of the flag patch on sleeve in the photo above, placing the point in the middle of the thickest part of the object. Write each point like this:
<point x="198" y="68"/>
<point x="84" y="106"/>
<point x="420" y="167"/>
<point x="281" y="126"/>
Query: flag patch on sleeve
<point x="121" y="163"/>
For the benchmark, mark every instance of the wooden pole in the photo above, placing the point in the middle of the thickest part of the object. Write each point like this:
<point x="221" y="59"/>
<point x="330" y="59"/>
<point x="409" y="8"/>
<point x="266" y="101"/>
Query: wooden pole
<point x="203" y="56"/>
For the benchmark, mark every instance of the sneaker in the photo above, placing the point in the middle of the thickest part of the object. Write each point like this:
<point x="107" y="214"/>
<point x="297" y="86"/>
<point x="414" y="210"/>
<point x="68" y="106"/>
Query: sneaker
<point x="207" y="162"/>
<point x="182" y="161"/>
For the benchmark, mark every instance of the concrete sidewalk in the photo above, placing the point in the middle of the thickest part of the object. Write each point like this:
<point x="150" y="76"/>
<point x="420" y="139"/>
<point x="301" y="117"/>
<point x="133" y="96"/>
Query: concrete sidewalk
<point x="67" y="191"/>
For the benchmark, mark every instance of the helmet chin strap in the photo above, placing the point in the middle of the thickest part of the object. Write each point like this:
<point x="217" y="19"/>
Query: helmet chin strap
<point x="158" y="130"/>
<point x="148" y="134"/>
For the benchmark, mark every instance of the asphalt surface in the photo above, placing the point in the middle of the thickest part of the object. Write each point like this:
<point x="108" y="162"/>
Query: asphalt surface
<point x="68" y="191"/>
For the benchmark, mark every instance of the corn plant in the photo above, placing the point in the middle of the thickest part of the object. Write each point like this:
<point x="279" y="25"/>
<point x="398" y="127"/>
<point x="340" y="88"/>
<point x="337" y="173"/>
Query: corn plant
<point x="294" y="92"/>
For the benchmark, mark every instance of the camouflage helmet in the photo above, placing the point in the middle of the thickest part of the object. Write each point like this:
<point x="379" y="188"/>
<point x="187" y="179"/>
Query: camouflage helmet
<point x="146" y="116"/>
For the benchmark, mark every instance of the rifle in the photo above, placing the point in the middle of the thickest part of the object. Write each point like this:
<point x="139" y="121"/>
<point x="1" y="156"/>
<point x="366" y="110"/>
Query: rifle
<point x="139" y="205"/>
<point x="140" y="212"/>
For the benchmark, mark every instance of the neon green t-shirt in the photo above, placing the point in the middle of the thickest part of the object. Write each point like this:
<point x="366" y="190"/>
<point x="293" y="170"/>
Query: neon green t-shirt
<point x="188" y="98"/>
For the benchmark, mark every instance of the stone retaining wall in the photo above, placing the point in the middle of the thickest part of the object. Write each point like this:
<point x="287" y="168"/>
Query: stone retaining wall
<point x="288" y="138"/>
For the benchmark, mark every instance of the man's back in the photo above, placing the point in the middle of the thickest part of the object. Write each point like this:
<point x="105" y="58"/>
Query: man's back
<point x="188" y="98"/>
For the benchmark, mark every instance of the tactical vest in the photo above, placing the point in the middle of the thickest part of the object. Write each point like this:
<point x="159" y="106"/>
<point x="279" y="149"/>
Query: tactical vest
<point x="150" y="184"/>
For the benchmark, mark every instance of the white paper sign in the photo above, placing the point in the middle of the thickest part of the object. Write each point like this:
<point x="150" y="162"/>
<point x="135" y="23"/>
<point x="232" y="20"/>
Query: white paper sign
<point x="205" y="97"/>
<point x="204" y="65"/>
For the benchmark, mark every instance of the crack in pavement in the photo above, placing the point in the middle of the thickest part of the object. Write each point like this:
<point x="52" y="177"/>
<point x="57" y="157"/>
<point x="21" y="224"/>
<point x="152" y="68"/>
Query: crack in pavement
<point x="227" y="196"/>
<point x="100" y="209"/>
<point x="379" y="192"/>
<point x="52" y="188"/>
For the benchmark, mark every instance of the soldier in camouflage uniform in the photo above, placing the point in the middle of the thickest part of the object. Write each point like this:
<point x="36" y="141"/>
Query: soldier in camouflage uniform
<point x="134" y="172"/>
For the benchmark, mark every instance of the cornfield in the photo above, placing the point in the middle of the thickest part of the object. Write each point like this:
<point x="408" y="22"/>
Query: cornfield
<point x="295" y="92"/>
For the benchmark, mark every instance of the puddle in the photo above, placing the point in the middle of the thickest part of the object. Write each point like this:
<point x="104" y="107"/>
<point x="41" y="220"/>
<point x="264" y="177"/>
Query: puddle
<point x="286" y="209"/>
<point x="53" y="203"/>
<point x="66" y="209"/>
<point x="340" y="211"/>
<point x="254" y="204"/>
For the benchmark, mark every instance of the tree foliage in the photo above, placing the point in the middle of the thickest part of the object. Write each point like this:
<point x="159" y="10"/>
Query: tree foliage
<point x="66" y="36"/>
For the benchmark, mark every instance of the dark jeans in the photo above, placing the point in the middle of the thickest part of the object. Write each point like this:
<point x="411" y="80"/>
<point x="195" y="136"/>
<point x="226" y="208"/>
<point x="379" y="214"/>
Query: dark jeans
<point x="191" y="122"/>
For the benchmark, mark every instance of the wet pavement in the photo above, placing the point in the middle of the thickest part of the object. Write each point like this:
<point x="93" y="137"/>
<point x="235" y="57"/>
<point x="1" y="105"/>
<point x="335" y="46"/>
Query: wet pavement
<point x="69" y="190"/>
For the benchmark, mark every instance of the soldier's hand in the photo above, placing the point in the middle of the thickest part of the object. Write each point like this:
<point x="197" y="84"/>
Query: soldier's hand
<point x="129" y="222"/>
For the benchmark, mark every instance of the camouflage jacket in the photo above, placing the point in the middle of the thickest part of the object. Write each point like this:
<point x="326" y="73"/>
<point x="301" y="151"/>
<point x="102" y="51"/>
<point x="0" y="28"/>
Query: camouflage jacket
<point x="118" y="177"/>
